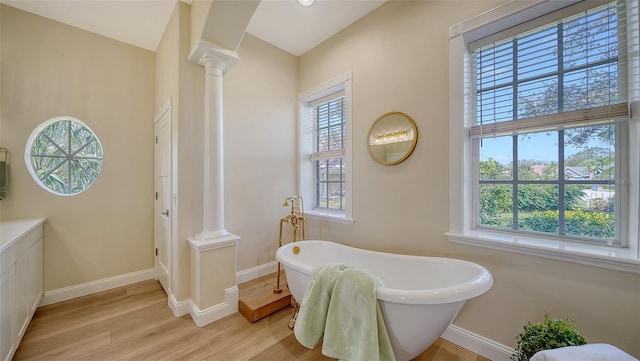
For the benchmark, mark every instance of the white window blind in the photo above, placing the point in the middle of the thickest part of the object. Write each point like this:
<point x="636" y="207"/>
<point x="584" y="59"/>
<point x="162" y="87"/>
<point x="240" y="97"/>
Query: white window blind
<point x="329" y="121"/>
<point x="328" y="115"/>
<point x="472" y="157"/>
<point x="324" y="141"/>
<point x="548" y="102"/>
<point x="568" y="73"/>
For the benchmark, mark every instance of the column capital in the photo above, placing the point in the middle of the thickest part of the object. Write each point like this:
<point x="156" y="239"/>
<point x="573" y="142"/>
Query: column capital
<point x="212" y="56"/>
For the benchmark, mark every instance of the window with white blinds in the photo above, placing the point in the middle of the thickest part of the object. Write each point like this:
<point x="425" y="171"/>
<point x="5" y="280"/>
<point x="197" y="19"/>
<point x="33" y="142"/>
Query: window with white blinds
<point x="545" y="131"/>
<point x="324" y="167"/>
<point x="328" y="156"/>
<point x="550" y="109"/>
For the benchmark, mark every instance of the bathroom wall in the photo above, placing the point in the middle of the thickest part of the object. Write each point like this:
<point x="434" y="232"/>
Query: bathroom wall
<point x="1" y="203"/>
<point x="259" y="94"/>
<point x="399" y="55"/>
<point x="182" y="82"/>
<point x="51" y="69"/>
<point x="399" y="58"/>
<point x="199" y="11"/>
<point x="221" y="23"/>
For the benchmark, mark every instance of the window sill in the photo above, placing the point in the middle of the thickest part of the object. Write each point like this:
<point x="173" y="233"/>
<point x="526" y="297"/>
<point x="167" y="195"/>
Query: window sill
<point x="619" y="259"/>
<point x="328" y="216"/>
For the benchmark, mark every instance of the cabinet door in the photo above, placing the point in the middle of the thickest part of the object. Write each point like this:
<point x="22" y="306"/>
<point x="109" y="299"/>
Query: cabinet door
<point x="35" y="276"/>
<point x="28" y="286"/>
<point x="22" y="293"/>
<point x="7" y="314"/>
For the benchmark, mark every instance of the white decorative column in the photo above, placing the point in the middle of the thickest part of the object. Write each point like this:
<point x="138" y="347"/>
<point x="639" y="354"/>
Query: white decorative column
<point x="213" y="207"/>
<point x="214" y="293"/>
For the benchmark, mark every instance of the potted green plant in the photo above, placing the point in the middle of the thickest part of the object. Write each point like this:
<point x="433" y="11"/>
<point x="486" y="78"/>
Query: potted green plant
<point x="550" y="334"/>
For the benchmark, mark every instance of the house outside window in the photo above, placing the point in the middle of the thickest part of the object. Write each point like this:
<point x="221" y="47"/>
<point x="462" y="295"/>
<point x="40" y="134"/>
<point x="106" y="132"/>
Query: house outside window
<point x="537" y="167"/>
<point x="544" y="136"/>
<point x="325" y="149"/>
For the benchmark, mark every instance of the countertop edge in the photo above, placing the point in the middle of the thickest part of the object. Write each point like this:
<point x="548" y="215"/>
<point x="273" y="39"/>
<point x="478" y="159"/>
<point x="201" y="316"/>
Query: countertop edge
<point x="22" y="227"/>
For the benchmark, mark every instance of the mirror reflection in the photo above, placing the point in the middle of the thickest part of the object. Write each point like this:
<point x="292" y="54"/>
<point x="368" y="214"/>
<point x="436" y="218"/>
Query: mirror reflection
<point x="392" y="138"/>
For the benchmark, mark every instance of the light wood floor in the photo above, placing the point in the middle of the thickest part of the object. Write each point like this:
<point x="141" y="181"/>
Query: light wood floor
<point x="135" y="323"/>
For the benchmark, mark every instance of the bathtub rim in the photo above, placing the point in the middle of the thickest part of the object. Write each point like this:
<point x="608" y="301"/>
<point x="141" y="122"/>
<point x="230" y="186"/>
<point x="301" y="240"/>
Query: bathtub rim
<point x="460" y="292"/>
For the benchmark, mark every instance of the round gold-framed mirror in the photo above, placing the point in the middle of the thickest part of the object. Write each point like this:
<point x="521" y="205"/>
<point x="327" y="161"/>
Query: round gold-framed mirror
<point x="392" y="138"/>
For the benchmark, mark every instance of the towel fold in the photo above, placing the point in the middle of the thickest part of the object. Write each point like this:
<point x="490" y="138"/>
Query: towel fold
<point x="341" y="306"/>
<point x="588" y="352"/>
<point x="315" y="304"/>
<point x="4" y="179"/>
<point x="355" y="328"/>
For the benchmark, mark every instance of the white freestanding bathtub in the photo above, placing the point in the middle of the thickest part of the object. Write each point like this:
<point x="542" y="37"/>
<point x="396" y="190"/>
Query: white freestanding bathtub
<point x="421" y="295"/>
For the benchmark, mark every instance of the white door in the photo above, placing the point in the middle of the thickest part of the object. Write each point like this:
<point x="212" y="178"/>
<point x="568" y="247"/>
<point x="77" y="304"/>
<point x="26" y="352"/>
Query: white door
<point x="163" y="198"/>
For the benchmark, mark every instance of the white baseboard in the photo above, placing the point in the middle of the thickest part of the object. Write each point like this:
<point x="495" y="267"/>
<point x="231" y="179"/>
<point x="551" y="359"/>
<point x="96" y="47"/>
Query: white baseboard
<point x="180" y="308"/>
<point x="229" y="306"/>
<point x="214" y="313"/>
<point x="67" y="293"/>
<point x="255" y="272"/>
<point x="211" y="314"/>
<point x="478" y="344"/>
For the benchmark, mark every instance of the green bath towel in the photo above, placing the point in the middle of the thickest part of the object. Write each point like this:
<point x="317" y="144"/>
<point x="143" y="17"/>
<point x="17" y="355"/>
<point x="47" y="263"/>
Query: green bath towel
<point x="341" y="306"/>
<point x="315" y="304"/>
<point x="4" y="179"/>
<point x="355" y="328"/>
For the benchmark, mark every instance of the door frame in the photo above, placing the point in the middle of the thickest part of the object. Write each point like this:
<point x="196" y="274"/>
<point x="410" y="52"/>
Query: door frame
<point x="165" y="109"/>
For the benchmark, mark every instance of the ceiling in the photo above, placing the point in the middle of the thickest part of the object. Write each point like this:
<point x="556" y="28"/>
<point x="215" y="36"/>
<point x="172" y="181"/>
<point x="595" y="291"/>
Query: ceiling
<point x="283" y="23"/>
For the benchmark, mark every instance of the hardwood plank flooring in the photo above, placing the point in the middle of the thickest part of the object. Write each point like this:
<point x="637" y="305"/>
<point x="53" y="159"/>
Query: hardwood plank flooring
<point x="135" y="323"/>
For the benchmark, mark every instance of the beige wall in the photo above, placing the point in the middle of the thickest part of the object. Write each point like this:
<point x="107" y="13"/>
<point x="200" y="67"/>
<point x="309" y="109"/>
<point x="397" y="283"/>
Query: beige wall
<point x="221" y="23"/>
<point x="50" y="69"/>
<point x="1" y="7"/>
<point x="399" y="58"/>
<point x="199" y="11"/>
<point x="213" y="286"/>
<point x="260" y="94"/>
<point x="399" y="55"/>
<point x="182" y="82"/>
<point x="168" y="90"/>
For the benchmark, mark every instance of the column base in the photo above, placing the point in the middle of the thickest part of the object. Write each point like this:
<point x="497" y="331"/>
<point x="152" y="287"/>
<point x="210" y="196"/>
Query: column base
<point x="213" y="275"/>
<point x="206" y="241"/>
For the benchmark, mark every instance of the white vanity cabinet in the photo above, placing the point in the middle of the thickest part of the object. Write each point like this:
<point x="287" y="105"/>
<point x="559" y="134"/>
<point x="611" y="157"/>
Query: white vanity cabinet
<point x="28" y="285"/>
<point x="21" y="288"/>
<point x="8" y="337"/>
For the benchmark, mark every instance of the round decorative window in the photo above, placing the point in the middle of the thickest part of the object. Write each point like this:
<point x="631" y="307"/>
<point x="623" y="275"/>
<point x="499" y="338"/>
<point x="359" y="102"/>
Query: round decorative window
<point x="63" y="156"/>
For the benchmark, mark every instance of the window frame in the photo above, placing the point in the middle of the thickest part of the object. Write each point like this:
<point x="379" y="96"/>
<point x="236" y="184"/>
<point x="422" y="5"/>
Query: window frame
<point x="318" y="156"/>
<point x="68" y="156"/>
<point x="463" y="160"/>
<point x="306" y="159"/>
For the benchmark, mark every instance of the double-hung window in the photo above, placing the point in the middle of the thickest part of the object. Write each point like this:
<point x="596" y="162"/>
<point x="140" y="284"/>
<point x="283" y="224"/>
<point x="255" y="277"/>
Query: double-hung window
<point x="547" y="139"/>
<point x="325" y="151"/>
<point x="328" y="155"/>
<point x="546" y="133"/>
